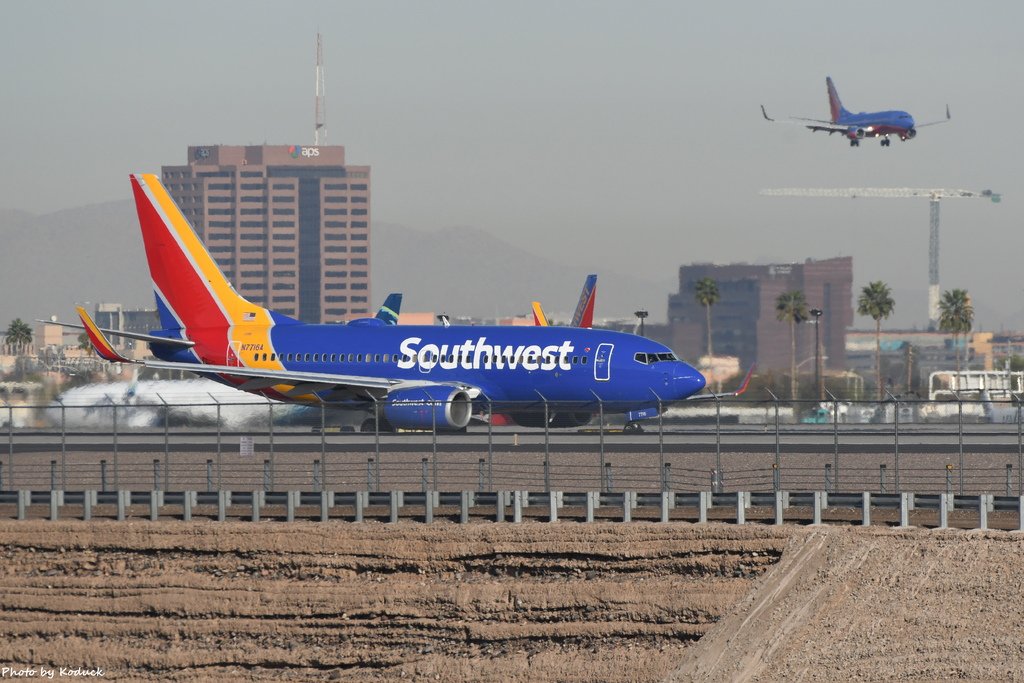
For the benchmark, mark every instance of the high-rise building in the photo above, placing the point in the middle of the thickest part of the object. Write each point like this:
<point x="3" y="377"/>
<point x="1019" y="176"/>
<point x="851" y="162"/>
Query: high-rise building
<point x="288" y="225"/>
<point x="744" y="322"/>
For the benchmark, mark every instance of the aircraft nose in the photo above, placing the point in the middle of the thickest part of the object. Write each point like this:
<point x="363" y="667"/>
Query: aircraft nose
<point x="687" y="380"/>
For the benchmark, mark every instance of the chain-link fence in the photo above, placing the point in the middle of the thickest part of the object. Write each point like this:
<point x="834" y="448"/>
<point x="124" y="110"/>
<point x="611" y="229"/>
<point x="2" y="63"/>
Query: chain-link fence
<point x="962" y="446"/>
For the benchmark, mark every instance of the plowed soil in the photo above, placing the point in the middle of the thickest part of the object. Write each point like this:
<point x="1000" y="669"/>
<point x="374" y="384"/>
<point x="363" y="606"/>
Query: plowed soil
<point x="529" y="602"/>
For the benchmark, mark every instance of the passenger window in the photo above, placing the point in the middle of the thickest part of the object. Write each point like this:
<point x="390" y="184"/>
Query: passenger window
<point x="316" y="357"/>
<point x="387" y="357"/>
<point x="307" y="358"/>
<point x="376" y="358"/>
<point x="273" y="356"/>
<point x="584" y="360"/>
<point x="256" y="357"/>
<point x="359" y="358"/>
<point x="333" y="357"/>
<point x="350" y="357"/>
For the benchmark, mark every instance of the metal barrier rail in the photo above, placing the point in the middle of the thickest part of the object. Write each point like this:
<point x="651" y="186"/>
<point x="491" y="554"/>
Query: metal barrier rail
<point x="393" y="506"/>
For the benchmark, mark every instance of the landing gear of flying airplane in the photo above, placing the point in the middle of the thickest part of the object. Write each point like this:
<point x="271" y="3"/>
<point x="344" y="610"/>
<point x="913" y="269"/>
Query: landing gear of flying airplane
<point x="854" y="143"/>
<point x="886" y="141"/>
<point x="632" y="428"/>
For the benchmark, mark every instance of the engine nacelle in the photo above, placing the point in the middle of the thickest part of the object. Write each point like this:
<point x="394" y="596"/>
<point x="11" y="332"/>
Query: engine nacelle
<point x="859" y="133"/>
<point x="557" y="420"/>
<point x="911" y="133"/>
<point x="443" y="407"/>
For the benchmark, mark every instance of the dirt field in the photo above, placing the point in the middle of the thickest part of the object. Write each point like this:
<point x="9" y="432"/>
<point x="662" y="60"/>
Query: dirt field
<point x="530" y="602"/>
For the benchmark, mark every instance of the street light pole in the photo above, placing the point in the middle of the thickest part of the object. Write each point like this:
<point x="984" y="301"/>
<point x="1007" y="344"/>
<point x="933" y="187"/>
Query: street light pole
<point x="817" y="312"/>
<point x="641" y="315"/>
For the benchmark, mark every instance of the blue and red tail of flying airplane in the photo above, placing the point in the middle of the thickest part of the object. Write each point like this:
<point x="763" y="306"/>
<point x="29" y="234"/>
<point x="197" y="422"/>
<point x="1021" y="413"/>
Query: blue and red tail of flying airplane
<point x="856" y="127"/>
<point x="410" y="376"/>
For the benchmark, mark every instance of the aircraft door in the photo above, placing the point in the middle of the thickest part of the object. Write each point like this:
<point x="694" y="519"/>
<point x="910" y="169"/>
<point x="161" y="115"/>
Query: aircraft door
<point x="603" y="362"/>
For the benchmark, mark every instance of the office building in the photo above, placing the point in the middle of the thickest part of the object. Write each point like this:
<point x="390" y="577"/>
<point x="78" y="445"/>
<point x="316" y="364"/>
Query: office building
<point x="288" y="225"/>
<point x="744" y="322"/>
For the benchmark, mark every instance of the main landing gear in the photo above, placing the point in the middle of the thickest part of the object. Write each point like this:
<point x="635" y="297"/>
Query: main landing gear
<point x="632" y="428"/>
<point x="854" y="142"/>
<point x="886" y="141"/>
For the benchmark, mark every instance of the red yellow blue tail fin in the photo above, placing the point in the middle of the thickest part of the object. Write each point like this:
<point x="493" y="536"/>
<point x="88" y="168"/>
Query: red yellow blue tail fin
<point x="584" y="315"/>
<point x="191" y="291"/>
<point x="100" y="343"/>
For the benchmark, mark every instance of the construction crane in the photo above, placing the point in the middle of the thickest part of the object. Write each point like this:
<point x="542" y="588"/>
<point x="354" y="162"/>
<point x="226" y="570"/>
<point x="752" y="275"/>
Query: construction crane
<point x="933" y="196"/>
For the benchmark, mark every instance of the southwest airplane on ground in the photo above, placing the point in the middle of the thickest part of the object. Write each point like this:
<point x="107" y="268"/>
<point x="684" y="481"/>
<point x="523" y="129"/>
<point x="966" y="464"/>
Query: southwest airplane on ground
<point x="584" y="314"/>
<point x="856" y="127"/>
<point x="408" y="377"/>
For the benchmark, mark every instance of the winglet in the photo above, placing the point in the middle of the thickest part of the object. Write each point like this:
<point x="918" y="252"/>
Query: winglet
<point x="765" y="114"/>
<point x="539" y="319"/>
<point x="746" y="381"/>
<point x="99" y="341"/>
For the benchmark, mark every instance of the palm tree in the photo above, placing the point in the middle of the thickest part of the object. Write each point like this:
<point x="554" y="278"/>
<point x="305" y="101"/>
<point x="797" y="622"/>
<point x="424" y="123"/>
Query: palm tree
<point x="707" y="295"/>
<point x="792" y="307"/>
<point x="19" y="335"/>
<point x="956" y="316"/>
<point x="876" y="302"/>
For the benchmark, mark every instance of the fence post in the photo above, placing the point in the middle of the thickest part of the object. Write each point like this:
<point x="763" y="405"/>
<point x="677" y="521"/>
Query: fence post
<point x="156" y="474"/>
<point x="600" y="426"/>
<point x="778" y="455"/>
<point x="896" y="438"/>
<point x="775" y="477"/>
<point x="866" y="509"/>
<point x="376" y="443"/>
<point x="113" y="407"/>
<point x="423" y="479"/>
<point x="828" y="477"/>
<point x="268" y="474"/>
<point x="943" y="510"/>
<point x="270" y="434"/>
<point x="607" y="470"/>
<point x="318" y="484"/>
<point x="949" y="477"/>
<point x="666" y="476"/>
<point x="369" y="475"/>
<point x="10" y="444"/>
<point x="960" y="437"/>
<point x="1020" y="450"/>
<point x="547" y="474"/>
<point x="1009" y="478"/>
<point x="209" y="475"/>
<point x="881" y="478"/>
<point x="480" y="477"/>
<point x="53" y="475"/>
<point x="167" y="441"/>
<point x="490" y="446"/>
<point x="103" y="475"/>
<point x="835" y="438"/>
<point x="718" y="438"/>
<point x="63" y="444"/>
<point x="220" y="458"/>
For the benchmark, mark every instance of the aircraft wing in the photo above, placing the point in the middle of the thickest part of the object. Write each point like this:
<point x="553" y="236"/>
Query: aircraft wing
<point x="739" y="390"/>
<point x="295" y="384"/>
<point x="935" y="123"/>
<point x="822" y="125"/>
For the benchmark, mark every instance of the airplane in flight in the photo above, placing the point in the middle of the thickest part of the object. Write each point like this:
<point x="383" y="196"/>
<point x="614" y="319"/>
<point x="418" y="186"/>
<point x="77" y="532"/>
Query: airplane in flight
<point x="856" y="127"/>
<point x="584" y="314"/>
<point x="403" y="377"/>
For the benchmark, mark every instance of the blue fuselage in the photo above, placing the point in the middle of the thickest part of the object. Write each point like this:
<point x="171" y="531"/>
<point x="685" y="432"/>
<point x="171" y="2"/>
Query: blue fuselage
<point x="507" y="364"/>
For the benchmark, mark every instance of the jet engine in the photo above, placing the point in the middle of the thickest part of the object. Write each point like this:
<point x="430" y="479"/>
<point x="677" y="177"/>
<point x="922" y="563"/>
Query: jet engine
<point x="911" y="133"/>
<point x="446" y="408"/>
<point x="859" y="133"/>
<point x="556" y="420"/>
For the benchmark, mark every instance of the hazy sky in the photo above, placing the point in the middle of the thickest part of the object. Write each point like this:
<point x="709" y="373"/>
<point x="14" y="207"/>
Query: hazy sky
<point x="616" y="135"/>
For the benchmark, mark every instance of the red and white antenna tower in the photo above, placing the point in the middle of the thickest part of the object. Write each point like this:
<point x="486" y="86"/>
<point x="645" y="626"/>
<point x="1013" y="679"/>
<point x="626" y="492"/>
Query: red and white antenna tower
<point x="320" y="124"/>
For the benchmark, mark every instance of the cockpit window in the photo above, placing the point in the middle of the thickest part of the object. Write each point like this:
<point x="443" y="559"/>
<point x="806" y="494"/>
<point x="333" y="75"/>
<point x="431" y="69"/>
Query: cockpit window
<point x="651" y="358"/>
